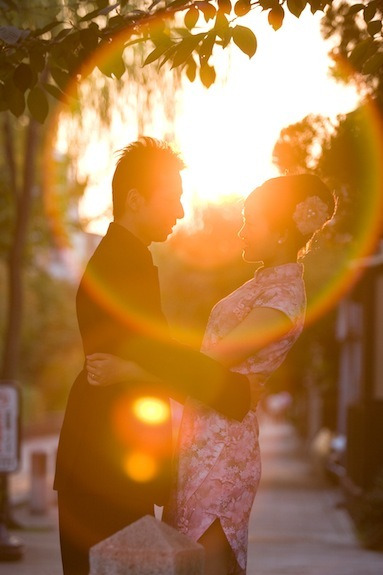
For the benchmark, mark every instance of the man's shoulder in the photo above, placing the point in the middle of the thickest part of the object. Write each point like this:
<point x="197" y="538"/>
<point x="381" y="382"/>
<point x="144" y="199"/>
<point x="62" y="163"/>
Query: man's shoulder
<point x="121" y="241"/>
<point x="118" y="257"/>
<point x="115" y="246"/>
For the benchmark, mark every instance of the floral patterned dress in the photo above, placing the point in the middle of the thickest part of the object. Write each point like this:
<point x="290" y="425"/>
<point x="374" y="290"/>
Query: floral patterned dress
<point x="218" y="459"/>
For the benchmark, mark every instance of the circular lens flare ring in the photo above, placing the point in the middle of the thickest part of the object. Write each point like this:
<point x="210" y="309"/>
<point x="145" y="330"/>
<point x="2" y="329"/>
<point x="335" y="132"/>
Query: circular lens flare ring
<point x="327" y="295"/>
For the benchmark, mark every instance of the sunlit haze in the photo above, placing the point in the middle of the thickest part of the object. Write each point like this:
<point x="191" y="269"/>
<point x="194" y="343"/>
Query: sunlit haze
<point x="227" y="133"/>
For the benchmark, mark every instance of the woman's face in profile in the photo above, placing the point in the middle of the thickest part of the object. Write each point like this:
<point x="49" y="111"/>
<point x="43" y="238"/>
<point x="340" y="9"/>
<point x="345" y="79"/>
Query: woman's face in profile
<point x="256" y="235"/>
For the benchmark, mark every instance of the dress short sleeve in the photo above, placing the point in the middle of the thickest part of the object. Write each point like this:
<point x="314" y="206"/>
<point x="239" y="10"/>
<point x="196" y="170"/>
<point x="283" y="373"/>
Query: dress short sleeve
<point x="281" y="288"/>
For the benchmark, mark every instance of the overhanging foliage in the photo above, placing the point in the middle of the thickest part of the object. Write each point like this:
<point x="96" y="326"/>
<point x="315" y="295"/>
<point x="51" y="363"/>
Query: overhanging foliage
<point x="40" y="61"/>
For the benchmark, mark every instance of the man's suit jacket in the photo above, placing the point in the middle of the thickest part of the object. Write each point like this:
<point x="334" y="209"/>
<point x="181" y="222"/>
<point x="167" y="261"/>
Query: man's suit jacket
<point x="119" y="312"/>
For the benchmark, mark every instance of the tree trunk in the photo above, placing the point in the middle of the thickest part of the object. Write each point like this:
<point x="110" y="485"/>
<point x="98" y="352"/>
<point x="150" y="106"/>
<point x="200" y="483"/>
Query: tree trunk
<point x="23" y="202"/>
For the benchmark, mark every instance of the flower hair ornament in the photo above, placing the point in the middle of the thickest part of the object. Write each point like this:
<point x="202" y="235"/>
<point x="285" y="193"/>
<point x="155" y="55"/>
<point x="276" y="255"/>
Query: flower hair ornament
<point x="310" y="215"/>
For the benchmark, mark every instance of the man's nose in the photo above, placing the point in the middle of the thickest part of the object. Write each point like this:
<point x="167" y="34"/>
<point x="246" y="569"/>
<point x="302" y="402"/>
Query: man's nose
<point x="180" y="212"/>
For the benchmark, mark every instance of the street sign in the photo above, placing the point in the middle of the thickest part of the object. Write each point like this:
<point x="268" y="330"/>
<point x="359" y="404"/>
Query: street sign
<point x="9" y="426"/>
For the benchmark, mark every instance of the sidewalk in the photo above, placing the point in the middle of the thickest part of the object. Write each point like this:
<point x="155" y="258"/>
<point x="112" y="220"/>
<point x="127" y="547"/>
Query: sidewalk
<point x="297" y="526"/>
<point x="39" y="535"/>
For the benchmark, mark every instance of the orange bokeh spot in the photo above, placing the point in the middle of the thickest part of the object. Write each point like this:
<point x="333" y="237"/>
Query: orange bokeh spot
<point x="151" y="410"/>
<point x="140" y="466"/>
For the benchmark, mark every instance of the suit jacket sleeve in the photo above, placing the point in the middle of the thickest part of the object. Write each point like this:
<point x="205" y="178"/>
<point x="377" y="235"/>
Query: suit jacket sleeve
<point x="191" y="373"/>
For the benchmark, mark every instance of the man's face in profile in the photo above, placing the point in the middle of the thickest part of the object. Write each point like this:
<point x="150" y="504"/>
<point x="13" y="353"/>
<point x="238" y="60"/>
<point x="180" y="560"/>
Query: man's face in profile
<point x="161" y="210"/>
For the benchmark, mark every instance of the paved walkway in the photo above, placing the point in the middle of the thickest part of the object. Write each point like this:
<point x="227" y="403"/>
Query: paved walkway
<point x="297" y="525"/>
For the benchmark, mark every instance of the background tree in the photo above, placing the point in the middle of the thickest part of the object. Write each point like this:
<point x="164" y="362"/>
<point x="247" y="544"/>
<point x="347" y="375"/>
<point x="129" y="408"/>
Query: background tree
<point x="346" y="153"/>
<point x="358" y="53"/>
<point x="299" y="146"/>
<point x="352" y="158"/>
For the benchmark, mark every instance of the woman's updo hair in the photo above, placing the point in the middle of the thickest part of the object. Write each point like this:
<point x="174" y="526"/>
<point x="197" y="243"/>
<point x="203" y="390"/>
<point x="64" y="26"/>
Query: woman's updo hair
<point x="299" y="205"/>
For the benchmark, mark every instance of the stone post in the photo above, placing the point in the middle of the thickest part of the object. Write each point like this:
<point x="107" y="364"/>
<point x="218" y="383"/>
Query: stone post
<point x="147" y="547"/>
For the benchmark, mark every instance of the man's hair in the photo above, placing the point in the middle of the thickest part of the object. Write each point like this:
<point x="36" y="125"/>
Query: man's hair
<point x="137" y="167"/>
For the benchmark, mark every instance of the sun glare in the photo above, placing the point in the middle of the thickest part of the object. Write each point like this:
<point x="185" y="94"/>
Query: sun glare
<point x="227" y="133"/>
<point x="151" y="410"/>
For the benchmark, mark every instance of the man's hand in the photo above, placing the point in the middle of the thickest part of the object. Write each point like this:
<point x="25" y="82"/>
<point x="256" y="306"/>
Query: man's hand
<point x="106" y="369"/>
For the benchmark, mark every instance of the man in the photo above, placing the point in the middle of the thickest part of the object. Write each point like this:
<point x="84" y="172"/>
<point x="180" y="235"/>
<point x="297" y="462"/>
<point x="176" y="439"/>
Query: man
<point x="119" y="312"/>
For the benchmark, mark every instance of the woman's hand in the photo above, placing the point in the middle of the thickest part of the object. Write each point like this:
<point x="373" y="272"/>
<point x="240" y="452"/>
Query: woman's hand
<point x="106" y="369"/>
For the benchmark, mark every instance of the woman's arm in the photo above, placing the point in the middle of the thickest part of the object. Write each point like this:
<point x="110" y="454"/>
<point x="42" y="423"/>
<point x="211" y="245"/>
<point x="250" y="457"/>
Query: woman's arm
<point x="261" y="326"/>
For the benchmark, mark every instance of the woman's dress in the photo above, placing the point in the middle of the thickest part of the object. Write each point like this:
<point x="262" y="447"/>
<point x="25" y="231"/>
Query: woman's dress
<point x="218" y="459"/>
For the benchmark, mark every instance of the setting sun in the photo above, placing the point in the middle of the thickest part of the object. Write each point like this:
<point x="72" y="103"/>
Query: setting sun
<point x="227" y="133"/>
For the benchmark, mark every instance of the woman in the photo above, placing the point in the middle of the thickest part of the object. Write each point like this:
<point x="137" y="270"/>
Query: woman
<point x="251" y="331"/>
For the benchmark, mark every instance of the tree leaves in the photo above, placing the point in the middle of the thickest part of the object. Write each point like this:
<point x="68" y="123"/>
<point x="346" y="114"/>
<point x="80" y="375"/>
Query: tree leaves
<point x="242" y="7"/>
<point x="37" y="60"/>
<point x="185" y="49"/>
<point x="23" y="77"/>
<point x="369" y="11"/>
<point x="363" y="52"/>
<point x="207" y="9"/>
<point x="38" y="104"/>
<point x="373" y="64"/>
<point x="221" y="26"/>
<point x="113" y="66"/>
<point x="207" y="74"/>
<point x="224" y="6"/>
<point x="316" y="5"/>
<point x="374" y="27"/>
<point x="245" y="39"/>
<point x="207" y="45"/>
<point x="355" y="8"/>
<point x="156" y="53"/>
<point x="14" y="98"/>
<point x="89" y="38"/>
<point x="55" y="92"/>
<point x="296" y="7"/>
<point x="276" y="16"/>
<point x="191" y="69"/>
<point x="58" y="49"/>
<point x="61" y="77"/>
<point x="191" y="17"/>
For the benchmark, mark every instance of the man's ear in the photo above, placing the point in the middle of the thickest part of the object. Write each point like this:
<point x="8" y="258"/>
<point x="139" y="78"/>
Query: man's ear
<point x="134" y="200"/>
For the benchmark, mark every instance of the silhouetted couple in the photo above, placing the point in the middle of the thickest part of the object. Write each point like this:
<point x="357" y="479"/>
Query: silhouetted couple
<point x="112" y="467"/>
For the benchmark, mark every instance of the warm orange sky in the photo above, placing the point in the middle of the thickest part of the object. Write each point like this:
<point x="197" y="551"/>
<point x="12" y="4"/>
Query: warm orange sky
<point x="226" y="134"/>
